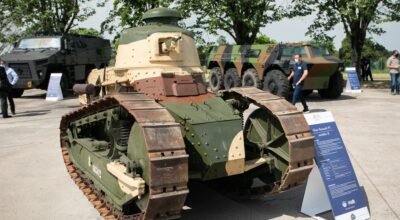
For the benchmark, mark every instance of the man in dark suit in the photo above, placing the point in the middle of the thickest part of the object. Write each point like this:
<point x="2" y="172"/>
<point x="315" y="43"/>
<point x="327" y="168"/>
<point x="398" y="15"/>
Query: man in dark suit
<point x="4" y="90"/>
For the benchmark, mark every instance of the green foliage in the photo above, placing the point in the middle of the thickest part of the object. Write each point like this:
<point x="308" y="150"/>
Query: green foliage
<point x="129" y="13"/>
<point x="21" y="18"/>
<point x="241" y="19"/>
<point x="85" y="31"/>
<point x="328" y="44"/>
<point x="371" y="49"/>
<point x="264" y="39"/>
<point x="358" y="18"/>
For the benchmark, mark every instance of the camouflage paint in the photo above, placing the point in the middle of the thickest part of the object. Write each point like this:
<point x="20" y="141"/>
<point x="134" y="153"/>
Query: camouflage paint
<point x="320" y="68"/>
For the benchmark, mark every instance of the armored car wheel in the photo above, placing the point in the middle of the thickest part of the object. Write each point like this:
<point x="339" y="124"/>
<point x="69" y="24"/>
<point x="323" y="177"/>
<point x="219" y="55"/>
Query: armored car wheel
<point x="276" y="83"/>
<point x="335" y="88"/>
<point x="17" y="93"/>
<point x="250" y="79"/>
<point x="216" y="79"/>
<point x="231" y="79"/>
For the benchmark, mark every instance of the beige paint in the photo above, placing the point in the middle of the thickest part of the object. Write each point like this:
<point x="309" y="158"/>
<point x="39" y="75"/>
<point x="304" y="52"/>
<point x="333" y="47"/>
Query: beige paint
<point x="236" y="156"/>
<point x="134" y="186"/>
<point x="142" y="59"/>
<point x="251" y="164"/>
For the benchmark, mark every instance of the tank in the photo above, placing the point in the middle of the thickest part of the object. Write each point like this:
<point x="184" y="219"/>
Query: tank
<point x="148" y="126"/>
<point x="267" y="66"/>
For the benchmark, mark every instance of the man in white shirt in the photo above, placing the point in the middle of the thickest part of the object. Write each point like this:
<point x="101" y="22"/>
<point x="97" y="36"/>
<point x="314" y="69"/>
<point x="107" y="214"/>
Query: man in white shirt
<point x="13" y="79"/>
<point x="393" y="64"/>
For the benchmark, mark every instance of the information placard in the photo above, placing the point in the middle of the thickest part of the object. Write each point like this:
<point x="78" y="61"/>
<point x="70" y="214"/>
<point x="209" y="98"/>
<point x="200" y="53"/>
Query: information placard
<point x="346" y="199"/>
<point x="54" y="92"/>
<point x="353" y="84"/>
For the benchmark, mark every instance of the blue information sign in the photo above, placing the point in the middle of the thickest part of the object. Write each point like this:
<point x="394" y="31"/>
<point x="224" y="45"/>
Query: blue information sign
<point x="344" y="193"/>
<point x="352" y="80"/>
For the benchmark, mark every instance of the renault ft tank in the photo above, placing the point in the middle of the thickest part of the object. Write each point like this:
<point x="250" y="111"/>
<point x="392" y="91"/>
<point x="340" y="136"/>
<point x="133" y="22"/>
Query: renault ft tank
<point x="148" y="126"/>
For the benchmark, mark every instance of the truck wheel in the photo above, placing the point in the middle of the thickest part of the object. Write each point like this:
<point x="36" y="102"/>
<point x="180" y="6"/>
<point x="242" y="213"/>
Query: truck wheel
<point x="307" y="92"/>
<point x="250" y="78"/>
<point x="216" y="82"/>
<point x="231" y="79"/>
<point x="17" y="93"/>
<point x="335" y="87"/>
<point x="276" y="83"/>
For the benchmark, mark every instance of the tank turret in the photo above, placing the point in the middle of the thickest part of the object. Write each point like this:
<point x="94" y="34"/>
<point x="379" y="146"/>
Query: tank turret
<point x="159" y="59"/>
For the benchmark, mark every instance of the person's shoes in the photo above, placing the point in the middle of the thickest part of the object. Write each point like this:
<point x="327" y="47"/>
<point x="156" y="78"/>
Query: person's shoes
<point x="306" y="110"/>
<point x="393" y="93"/>
<point x="13" y="113"/>
<point x="7" y="116"/>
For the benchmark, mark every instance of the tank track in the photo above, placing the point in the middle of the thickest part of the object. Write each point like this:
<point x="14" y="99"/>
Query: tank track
<point x="168" y="162"/>
<point x="297" y="132"/>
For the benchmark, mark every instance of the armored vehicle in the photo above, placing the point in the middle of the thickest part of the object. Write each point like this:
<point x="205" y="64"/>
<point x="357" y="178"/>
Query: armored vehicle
<point x="35" y="58"/>
<point x="148" y="125"/>
<point x="268" y="66"/>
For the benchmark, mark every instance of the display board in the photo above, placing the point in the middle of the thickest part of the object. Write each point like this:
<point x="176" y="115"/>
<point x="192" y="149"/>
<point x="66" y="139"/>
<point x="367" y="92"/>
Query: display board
<point x="54" y="92"/>
<point x="353" y="84"/>
<point x="346" y="199"/>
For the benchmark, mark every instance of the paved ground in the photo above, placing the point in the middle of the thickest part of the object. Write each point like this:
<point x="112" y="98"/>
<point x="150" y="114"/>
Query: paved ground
<point x="34" y="183"/>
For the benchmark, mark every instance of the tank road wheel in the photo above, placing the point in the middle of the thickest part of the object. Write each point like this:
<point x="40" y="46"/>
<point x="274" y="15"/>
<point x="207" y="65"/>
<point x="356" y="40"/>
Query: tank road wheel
<point x="127" y="155"/>
<point x="216" y="79"/>
<point x="250" y="78"/>
<point x="231" y="79"/>
<point x="276" y="83"/>
<point x="17" y="93"/>
<point x="277" y="139"/>
<point x="335" y="87"/>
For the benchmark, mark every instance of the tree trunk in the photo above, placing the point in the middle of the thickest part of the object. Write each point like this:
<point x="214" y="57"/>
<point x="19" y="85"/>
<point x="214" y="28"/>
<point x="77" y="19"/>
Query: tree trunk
<point x="357" y="44"/>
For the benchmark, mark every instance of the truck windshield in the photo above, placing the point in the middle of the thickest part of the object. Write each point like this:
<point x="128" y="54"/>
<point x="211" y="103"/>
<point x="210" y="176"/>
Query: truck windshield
<point x="320" y="51"/>
<point x="293" y="50"/>
<point x="40" y="43"/>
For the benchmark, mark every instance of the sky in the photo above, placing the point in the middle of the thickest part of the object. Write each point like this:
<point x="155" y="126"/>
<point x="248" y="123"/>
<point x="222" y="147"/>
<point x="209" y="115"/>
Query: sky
<point x="287" y="30"/>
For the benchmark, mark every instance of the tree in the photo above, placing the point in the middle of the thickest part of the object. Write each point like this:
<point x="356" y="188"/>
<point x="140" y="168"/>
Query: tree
<point x="129" y="13"/>
<point x="241" y="19"/>
<point x="46" y="16"/>
<point x="264" y="39"/>
<point x="85" y="31"/>
<point x="358" y="18"/>
<point x="371" y="49"/>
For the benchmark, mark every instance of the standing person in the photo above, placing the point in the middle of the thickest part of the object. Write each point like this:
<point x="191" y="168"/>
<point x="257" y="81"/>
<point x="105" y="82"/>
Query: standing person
<point x="4" y="90"/>
<point x="299" y="72"/>
<point x="393" y="64"/>
<point x="12" y="77"/>
<point x="367" y="66"/>
<point x="364" y="76"/>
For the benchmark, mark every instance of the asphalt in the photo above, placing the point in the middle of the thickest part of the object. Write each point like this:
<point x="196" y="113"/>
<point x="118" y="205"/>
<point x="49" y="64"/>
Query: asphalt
<point x="34" y="183"/>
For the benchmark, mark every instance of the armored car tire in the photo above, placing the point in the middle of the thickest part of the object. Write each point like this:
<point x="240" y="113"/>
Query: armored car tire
<point x="17" y="93"/>
<point x="335" y="87"/>
<point x="250" y="79"/>
<point x="276" y="83"/>
<point x="307" y="92"/>
<point x="216" y="80"/>
<point x="231" y="79"/>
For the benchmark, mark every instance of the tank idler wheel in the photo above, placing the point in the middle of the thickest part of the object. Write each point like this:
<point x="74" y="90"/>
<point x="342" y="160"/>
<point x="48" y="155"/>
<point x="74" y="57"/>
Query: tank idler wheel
<point x="250" y="79"/>
<point x="231" y="79"/>
<point x="216" y="80"/>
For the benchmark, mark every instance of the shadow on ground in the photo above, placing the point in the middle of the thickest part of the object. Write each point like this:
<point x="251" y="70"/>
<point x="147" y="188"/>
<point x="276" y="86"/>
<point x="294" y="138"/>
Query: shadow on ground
<point x="205" y="203"/>
<point x="31" y="113"/>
